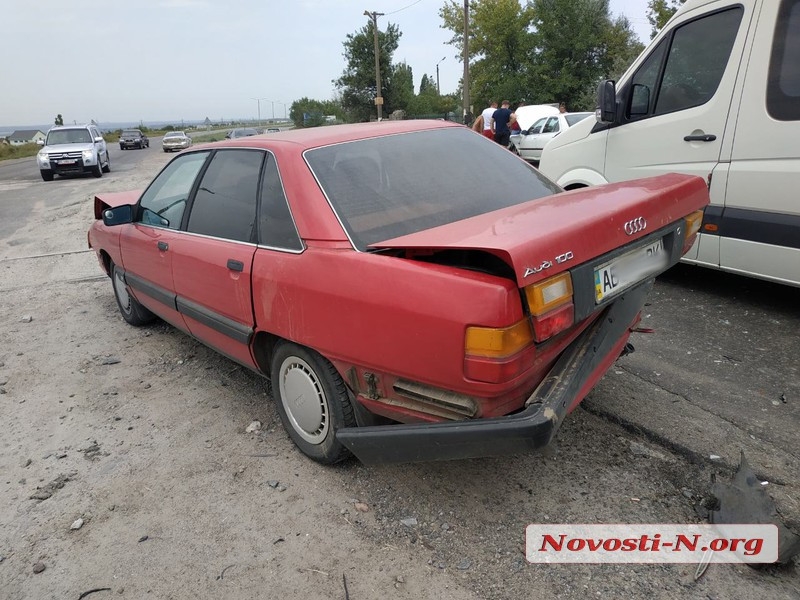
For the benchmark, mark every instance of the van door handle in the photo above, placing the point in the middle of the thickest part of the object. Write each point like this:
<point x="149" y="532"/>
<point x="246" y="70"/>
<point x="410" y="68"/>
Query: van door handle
<point x="163" y="246"/>
<point x="235" y="265"/>
<point x="706" y="137"/>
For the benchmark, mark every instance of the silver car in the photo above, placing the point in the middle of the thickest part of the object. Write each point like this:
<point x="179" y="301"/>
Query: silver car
<point x="175" y="141"/>
<point x="72" y="150"/>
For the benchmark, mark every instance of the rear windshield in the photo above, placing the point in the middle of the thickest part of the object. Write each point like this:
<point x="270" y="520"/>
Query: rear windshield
<point x="382" y="188"/>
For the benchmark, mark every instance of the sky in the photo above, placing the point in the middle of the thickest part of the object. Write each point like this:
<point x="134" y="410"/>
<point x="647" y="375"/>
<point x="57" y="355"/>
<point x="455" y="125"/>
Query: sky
<point x="168" y="60"/>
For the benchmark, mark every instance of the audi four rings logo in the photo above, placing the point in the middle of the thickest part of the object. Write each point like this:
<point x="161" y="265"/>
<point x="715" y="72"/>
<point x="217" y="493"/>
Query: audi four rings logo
<point x="635" y="225"/>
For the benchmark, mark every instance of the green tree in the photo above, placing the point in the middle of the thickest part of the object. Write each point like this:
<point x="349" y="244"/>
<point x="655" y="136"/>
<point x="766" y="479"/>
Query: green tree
<point x="59" y="119"/>
<point x="501" y="47"/>
<point x="659" y="12"/>
<point x="357" y="84"/>
<point x="402" y="87"/>
<point x="306" y="112"/>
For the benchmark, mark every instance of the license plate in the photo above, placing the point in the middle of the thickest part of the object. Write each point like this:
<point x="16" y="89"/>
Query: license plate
<point x="67" y="162"/>
<point x="635" y="266"/>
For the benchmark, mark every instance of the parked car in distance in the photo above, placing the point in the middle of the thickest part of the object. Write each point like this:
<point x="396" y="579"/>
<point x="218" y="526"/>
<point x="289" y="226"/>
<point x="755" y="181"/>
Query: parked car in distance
<point x="413" y="291"/>
<point x="530" y="142"/>
<point x="133" y="138"/>
<point x="273" y="130"/>
<point x="175" y="141"/>
<point x="72" y="150"/>
<point x="240" y="133"/>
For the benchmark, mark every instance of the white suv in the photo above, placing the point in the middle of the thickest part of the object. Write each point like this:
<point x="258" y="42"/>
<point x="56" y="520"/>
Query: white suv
<point x="73" y="149"/>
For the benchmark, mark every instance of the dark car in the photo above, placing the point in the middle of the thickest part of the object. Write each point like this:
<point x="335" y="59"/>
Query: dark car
<point x="240" y="133"/>
<point x="133" y="138"/>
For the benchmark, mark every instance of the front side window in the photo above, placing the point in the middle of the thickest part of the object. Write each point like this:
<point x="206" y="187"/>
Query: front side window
<point x="164" y="202"/>
<point x="783" y="84"/>
<point x="225" y="203"/>
<point x="551" y="126"/>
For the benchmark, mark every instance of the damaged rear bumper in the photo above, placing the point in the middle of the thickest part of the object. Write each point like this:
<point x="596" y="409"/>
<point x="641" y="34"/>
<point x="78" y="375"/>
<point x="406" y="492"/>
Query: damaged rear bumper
<point x="532" y="428"/>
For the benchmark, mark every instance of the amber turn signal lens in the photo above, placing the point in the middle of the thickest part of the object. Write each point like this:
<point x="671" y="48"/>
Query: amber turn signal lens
<point x="498" y="342"/>
<point x="693" y="222"/>
<point x="548" y="294"/>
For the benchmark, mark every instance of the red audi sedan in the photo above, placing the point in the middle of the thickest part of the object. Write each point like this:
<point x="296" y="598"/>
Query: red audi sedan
<point x="412" y="290"/>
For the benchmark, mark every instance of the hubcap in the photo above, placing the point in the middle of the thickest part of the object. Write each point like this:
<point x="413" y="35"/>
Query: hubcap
<point x="122" y="292"/>
<point x="304" y="400"/>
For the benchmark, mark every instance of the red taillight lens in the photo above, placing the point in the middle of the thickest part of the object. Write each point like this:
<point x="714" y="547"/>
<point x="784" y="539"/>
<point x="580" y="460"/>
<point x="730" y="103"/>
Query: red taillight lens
<point x="553" y="322"/>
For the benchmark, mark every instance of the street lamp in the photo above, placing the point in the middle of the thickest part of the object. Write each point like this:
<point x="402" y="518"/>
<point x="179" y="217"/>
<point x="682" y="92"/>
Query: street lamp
<point x="259" y="108"/>
<point x="438" y="89"/>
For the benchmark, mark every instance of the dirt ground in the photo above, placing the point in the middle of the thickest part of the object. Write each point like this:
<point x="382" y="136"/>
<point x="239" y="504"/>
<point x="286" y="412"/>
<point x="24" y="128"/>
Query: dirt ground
<point x="141" y="434"/>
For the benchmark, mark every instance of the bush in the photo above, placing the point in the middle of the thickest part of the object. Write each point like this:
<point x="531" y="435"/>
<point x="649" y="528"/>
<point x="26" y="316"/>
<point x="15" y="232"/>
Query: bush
<point x="7" y="151"/>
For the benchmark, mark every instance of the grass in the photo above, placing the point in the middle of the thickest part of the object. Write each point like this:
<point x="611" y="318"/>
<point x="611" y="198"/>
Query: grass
<point x="7" y="151"/>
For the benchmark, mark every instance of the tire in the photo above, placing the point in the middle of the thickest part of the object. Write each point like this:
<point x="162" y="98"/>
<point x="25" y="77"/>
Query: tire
<point x="121" y="147"/>
<point x="133" y="312"/>
<point x="513" y="149"/>
<point x="47" y="175"/>
<point x="107" y="168"/>
<point x="312" y="401"/>
<point x="97" y="170"/>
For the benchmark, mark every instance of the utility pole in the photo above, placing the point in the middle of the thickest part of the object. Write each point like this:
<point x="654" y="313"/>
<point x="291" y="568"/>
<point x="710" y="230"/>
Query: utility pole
<point x="466" y="62"/>
<point x="438" y="89"/>
<point x="378" y="99"/>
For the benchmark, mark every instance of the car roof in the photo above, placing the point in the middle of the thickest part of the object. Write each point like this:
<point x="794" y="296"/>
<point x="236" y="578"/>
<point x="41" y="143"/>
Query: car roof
<point x="313" y="137"/>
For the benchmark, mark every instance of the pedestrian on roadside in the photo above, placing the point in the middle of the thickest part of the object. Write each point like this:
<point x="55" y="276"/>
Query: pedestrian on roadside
<point x="487" y="120"/>
<point x="500" y="121"/>
<point x="477" y="126"/>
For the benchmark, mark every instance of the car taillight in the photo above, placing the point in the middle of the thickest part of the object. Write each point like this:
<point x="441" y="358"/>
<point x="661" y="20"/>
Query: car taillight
<point x="692" y="226"/>
<point x="551" y="306"/>
<point x="494" y="342"/>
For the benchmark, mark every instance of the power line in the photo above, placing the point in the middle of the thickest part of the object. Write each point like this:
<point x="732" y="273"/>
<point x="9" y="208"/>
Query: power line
<point x="402" y="9"/>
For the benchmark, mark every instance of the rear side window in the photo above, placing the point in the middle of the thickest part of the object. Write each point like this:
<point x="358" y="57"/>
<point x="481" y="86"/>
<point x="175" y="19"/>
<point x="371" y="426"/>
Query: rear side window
<point x="783" y="86"/>
<point x="688" y="73"/>
<point x="276" y="226"/>
<point x="225" y="203"/>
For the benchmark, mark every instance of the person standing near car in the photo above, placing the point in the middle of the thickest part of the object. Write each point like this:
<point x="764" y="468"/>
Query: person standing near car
<point x="500" y="122"/>
<point x="487" y="120"/>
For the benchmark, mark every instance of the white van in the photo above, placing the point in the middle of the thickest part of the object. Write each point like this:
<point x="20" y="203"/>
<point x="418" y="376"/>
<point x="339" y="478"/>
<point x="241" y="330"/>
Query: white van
<point x="715" y="94"/>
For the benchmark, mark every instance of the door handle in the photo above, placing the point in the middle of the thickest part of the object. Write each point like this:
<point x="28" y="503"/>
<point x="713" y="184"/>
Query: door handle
<point x="706" y="137"/>
<point x="235" y="265"/>
<point x="163" y="246"/>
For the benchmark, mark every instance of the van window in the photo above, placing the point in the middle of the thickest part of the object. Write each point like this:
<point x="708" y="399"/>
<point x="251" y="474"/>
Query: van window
<point x="783" y="86"/>
<point x="695" y="62"/>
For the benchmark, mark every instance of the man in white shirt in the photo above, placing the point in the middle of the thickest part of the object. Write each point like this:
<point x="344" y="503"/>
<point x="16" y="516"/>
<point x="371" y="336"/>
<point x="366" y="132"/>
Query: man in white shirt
<point x="488" y="129"/>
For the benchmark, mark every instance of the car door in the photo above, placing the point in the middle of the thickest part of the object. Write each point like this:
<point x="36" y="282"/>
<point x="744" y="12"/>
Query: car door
<point x="551" y="128"/>
<point x="146" y="246"/>
<point x="527" y="141"/>
<point x="212" y="264"/>
<point x="99" y="144"/>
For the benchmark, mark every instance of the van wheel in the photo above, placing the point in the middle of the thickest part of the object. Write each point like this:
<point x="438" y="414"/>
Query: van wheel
<point x="97" y="171"/>
<point x="312" y="401"/>
<point x="107" y="168"/>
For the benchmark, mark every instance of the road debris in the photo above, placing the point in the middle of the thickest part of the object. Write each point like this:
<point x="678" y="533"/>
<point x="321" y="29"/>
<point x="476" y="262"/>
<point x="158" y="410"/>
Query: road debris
<point x="745" y="500"/>
<point x="39" y="567"/>
<point x="95" y="590"/>
<point x="254" y="427"/>
<point x="76" y="524"/>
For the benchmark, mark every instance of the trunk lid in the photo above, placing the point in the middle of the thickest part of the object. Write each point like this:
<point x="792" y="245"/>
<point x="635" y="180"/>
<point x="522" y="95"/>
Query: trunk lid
<point x="546" y="236"/>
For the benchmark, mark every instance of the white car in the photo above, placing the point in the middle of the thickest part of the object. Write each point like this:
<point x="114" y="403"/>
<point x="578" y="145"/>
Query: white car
<point x="175" y="140"/>
<point x="530" y="142"/>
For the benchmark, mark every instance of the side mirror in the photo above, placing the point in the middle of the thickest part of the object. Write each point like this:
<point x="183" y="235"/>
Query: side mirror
<point x="99" y="138"/>
<point x="118" y="215"/>
<point x="606" y="102"/>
